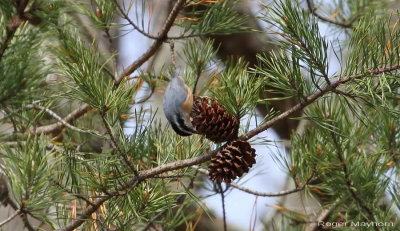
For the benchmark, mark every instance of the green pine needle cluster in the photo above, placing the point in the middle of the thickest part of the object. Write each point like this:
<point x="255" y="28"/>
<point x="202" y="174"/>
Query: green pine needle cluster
<point x="218" y="18"/>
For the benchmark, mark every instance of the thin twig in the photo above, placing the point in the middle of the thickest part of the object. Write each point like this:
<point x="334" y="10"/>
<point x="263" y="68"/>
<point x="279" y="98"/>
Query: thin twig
<point x="116" y="146"/>
<point x="257" y="193"/>
<point x="93" y="208"/>
<point x="17" y="112"/>
<point x="10" y="115"/>
<point x="64" y="122"/>
<point x="78" y="196"/>
<point x="109" y="38"/>
<point x="184" y="36"/>
<point x="223" y="205"/>
<point x="339" y="92"/>
<point x="198" y="75"/>
<point x="112" y="49"/>
<point x="180" y="164"/>
<point x="170" y="176"/>
<point x="126" y="17"/>
<point x="27" y="223"/>
<point x="85" y="214"/>
<point x="172" y="52"/>
<point x="151" y="223"/>
<point x="143" y="100"/>
<point x="269" y="194"/>
<point x="303" y="45"/>
<point x="18" y="212"/>
<point x="154" y="47"/>
<point x="313" y="10"/>
<point x="180" y="198"/>
<point x="46" y="129"/>
<point x="323" y="215"/>
<point x="147" y="34"/>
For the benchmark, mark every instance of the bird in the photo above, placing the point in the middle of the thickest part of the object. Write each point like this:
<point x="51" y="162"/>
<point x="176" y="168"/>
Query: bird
<point x="177" y="105"/>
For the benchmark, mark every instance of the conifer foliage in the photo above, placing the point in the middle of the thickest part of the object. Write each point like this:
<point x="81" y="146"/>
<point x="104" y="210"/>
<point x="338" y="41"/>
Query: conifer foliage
<point x="69" y="162"/>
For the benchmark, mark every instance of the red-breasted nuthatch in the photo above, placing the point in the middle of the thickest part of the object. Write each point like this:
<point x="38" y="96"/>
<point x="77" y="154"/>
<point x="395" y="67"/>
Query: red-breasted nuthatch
<point x="178" y="103"/>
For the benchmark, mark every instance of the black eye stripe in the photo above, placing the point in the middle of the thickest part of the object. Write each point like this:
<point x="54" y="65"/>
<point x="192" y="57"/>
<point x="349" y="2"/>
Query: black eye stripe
<point x="182" y="124"/>
<point x="180" y="131"/>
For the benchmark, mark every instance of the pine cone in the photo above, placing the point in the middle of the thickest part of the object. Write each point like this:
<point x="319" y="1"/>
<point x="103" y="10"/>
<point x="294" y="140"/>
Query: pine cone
<point x="209" y="118"/>
<point x="232" y="161"/>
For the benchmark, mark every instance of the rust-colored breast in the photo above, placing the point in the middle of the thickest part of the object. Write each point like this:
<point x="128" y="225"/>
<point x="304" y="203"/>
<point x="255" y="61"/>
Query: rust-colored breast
<point x="188" y="104"/>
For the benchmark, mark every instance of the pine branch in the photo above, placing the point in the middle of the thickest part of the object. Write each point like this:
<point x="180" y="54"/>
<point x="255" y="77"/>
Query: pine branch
<point x="154" y="47"/>
<point x="311" y="98"/>
<point x="180" y="164"/>
<point x="168" y="170"/>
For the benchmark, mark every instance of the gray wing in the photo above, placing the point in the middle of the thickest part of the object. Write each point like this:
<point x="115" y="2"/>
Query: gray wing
<point x="174" y="96"/>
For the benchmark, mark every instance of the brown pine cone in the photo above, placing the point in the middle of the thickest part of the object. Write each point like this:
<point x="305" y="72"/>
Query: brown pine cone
<point x="209" y="118"/>
<point x="232" y="161"/>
